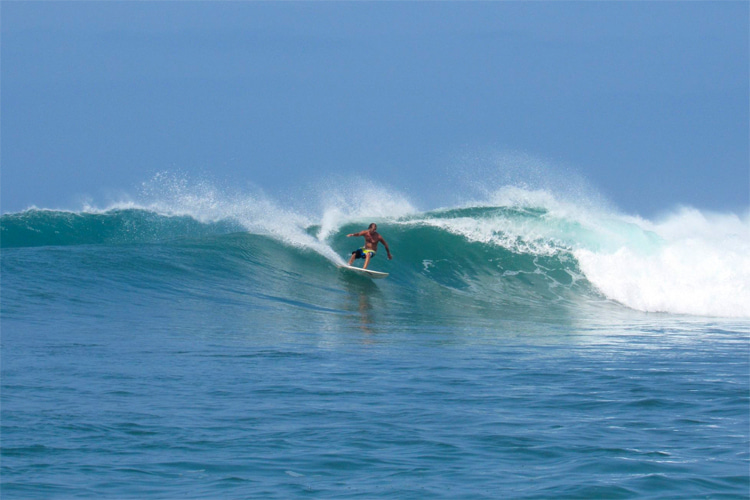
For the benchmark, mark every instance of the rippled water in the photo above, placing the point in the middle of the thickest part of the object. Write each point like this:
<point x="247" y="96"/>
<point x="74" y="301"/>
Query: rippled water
<point x="656" y="408"/>
<point x="234" y="366"/>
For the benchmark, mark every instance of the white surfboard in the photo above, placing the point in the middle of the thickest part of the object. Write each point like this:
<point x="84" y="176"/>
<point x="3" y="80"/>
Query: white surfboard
<point x="364" y="272"/>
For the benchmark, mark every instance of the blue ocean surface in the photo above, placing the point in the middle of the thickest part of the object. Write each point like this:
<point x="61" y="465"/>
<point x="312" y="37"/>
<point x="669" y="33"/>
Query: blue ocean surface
<point x="520" y="348"/>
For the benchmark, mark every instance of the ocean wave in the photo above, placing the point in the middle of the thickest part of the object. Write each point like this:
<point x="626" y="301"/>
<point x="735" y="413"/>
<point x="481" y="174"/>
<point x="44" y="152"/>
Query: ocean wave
<point x="521" y="245"/>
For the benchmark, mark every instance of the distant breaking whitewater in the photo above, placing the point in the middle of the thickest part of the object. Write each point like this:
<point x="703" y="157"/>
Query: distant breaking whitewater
<point x="520" y="251"/>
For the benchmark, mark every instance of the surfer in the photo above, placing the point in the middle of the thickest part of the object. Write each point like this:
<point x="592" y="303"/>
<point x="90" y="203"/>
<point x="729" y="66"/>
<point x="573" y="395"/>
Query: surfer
<point x="372" y="238"/>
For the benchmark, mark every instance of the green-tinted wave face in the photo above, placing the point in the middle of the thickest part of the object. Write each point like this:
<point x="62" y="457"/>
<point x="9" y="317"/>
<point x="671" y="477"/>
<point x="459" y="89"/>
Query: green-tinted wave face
<point x="432" y="258"/>
<point x="56" y="228"/>
<point x="498" y="258"/>
<point x="477" y="256"/>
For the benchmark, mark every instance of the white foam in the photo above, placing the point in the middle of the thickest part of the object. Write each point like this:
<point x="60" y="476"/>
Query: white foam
<point x="258" y="213"/>
<point x="561" y="225"/>
<point x="516" y="236"/>
<point x="688" y="262"/>
<point x="173" y="194"/>
<point x="359" y="201"/>
<point x="701" y="267"/>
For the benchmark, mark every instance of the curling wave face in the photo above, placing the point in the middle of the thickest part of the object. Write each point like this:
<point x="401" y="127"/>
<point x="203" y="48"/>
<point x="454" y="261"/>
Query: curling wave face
<point x="520" y="249"/>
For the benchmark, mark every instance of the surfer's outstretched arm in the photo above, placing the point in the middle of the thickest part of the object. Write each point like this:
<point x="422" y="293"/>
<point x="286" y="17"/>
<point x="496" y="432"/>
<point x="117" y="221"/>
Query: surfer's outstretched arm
<point x="388" y="250"/>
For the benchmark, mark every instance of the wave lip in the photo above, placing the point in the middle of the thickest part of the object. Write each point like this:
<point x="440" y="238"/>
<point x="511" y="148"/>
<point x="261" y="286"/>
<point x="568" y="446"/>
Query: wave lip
<point x="38" y="227"/>
<point x="519" y="242"/>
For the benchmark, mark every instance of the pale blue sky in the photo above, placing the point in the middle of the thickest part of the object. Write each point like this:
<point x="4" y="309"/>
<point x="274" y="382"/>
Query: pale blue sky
<point x="648" y="101"/>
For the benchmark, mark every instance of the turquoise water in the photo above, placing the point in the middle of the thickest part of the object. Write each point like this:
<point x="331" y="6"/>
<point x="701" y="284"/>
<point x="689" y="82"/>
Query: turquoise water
<point x="163" y="355"/>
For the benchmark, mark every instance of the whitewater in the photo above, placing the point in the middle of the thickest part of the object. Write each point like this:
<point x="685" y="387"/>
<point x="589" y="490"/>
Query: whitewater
<point x="685" y="262"/>
<point x="199" y="341"/>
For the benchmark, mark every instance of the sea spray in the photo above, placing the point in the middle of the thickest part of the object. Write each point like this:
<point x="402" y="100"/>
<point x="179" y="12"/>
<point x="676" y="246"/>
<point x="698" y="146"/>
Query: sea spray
<point x="517" y="243"/>
<point x="255" y="211"/>
<point x="702" y="266"/>
<point x="343" y="201"/>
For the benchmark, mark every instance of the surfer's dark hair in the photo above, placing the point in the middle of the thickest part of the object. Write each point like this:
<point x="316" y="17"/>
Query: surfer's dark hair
<point x="372" y="224"/>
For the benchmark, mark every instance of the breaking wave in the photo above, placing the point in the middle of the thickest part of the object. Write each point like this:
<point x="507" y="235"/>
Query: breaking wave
<point x="519" y="246"/>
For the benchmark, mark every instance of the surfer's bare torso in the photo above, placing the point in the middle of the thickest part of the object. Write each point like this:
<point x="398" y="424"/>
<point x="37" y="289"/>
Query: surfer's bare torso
<point x="372" y="238"/>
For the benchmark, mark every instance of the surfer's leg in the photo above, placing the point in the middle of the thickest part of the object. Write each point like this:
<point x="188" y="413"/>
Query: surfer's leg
<point x="367" y="259"/>
<point x="357" y="254"/>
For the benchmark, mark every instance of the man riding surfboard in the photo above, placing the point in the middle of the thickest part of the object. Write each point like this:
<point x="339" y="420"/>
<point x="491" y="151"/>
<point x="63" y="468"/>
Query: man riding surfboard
<point x="372" y="238"/>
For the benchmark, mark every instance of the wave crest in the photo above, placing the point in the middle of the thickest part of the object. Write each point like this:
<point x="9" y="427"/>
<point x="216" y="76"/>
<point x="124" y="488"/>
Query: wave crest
<point x="690" y="262"/>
